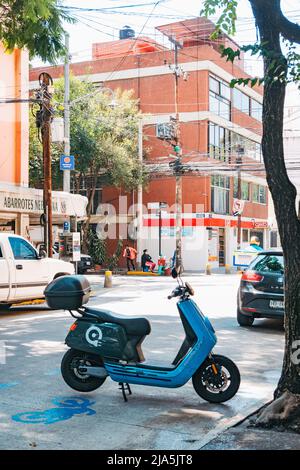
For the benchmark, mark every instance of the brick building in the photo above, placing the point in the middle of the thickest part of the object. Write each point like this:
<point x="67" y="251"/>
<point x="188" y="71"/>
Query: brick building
<point x="217" y="125"/>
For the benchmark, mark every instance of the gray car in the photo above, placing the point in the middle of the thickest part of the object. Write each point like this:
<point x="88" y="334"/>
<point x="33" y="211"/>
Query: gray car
<point x="261" y="291"/>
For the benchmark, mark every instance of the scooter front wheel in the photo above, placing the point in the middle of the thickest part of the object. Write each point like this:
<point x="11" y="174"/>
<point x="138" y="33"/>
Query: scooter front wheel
<point x="217" y="379"/>
<point x="70" y="363"/>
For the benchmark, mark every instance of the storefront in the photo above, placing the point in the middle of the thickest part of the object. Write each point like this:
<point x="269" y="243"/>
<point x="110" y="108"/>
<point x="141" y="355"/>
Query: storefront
<point x="21" y="208"/>
<point x="206" y="238"/>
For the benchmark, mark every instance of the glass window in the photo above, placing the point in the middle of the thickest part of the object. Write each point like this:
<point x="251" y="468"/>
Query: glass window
<point x="255" y="194"/>
<point x="245" y="190"/>
<point x="262" y="195"/>
<point x="219" y="142"/>
<point x="22" y="249"/>
<point x="220" y="194"/>
<point x="256" y="110"/>
<point x="219" y="97"/>
<point x="273" y="239"/>
<point x="214" y="85"/>
<point x="241" y="101"/>
<point x="245" y="235"/>
<point x="259" y="193"/>
<point x="268" y="264"/>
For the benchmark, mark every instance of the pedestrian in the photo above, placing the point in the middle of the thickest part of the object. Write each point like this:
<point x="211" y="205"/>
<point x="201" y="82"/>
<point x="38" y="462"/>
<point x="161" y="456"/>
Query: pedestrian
<point x="147" y="261"/>
<point x="254" y="244"/>
<point x="130" y="255"/>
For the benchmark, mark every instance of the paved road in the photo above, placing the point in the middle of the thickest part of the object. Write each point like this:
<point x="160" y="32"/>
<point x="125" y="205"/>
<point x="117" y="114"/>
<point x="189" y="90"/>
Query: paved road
<point x="38" y="410"/>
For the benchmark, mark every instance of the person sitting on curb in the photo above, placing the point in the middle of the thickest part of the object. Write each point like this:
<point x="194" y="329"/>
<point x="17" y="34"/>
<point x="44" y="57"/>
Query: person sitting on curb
<point x="147" y="261"/>
<point x="130" y="255"/>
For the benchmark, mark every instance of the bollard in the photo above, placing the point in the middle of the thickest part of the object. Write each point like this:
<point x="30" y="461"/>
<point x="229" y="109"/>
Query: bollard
<point x="108" y="279"/>
<point x="208" y="269"/>
<point x="227" y="269"/>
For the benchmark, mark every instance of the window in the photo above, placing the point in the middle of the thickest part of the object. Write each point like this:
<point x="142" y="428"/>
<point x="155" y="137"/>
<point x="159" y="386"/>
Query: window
<point x="219" y="142"/>
<point x="220" y="194"/>
<point x="241" y="101"/>
<point x="22" y="249"/>
<point x="273" y="239"/>
<point x="268" y="264"/>
<point x="259" y="194"/>
<point x="245" y="190"/>
<point x="245" y="235"/>
<point x="256" y="110"/>
<point x="219" y="97"/>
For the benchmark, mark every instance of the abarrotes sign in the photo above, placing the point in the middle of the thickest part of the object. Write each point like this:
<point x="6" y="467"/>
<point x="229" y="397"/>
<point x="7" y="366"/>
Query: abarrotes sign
<point x="30" y="204"/>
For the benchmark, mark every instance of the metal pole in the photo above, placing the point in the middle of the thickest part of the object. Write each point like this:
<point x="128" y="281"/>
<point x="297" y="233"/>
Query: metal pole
<point x="159" y="232"/>
<point x="177" y="166"/>
<point x="239" y="196"/>
<point x="67" y="173"/>
<point x="140" y="193"/>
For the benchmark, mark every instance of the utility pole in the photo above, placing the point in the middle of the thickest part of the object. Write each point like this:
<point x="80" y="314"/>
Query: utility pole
<point x="140" y="192"/>
<point x="178" y="164"/>
<point x="67" y="173"/>
<point x="240" y="152"/>
<point x="43" y="119"/>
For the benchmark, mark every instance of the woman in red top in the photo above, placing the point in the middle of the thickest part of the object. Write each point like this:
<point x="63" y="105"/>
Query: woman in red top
<point x="130" y="255"/>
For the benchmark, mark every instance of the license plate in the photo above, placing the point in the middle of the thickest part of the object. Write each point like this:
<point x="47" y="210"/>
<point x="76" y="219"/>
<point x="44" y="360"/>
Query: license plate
<point x="276" y="304"/>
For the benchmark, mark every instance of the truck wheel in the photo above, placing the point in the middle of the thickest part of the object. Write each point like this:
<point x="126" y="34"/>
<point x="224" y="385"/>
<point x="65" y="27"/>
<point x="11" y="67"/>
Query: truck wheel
<point x="244" y="320"/>
<point x="75" y="379"/>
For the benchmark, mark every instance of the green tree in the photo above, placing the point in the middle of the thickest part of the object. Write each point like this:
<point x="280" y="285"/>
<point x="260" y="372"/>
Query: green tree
<point x="36" y="25"/>
<point x="276" y="44"/>
<point x="103" y="140"/>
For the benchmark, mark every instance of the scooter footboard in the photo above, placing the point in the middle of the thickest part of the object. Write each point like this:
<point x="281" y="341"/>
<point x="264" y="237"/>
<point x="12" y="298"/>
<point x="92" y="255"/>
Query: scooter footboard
<point x="171" y="377"/>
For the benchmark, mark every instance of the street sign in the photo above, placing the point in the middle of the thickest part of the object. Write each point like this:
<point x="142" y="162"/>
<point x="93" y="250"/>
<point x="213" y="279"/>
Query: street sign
<point x="76" y="246"/>
<point x="237" y="207"/>
<point x="66" y="227"/>
<point x="67" y="162"/>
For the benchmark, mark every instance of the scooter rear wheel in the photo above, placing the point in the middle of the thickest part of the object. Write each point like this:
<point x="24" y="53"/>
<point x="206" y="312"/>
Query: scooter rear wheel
<point x="217" y="379"/>
<point x="75" y="379"/>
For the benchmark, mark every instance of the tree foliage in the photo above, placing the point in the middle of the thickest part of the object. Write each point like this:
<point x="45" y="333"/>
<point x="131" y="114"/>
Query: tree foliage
<point x="36" y="25"/>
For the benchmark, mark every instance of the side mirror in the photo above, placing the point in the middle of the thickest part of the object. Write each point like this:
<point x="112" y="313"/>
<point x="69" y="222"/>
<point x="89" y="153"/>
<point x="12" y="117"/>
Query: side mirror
<point x="174" y="273"/>
<point x="42" y="253"/>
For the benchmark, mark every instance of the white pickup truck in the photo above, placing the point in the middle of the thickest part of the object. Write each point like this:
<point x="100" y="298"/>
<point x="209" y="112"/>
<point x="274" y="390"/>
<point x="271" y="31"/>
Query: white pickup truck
<point x="23" y="273"/>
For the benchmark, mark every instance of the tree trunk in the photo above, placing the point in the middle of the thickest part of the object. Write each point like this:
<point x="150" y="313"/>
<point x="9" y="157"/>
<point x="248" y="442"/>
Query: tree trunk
<point x="284" y="197"/>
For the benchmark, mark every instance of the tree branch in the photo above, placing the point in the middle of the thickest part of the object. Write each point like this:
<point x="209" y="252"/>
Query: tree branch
<point x="272" y="8"/>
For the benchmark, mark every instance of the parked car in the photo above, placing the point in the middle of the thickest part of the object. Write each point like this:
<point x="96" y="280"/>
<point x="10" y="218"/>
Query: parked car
<point x="24" y="274"/>
<point x="83" y="265"/>
<point x="260" y="293"/>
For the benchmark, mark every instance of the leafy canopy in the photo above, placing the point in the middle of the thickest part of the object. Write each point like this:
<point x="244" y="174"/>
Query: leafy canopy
<point x="103" y="138"/>
<point x="36" y="25"/>
<point x="227" y="23"/>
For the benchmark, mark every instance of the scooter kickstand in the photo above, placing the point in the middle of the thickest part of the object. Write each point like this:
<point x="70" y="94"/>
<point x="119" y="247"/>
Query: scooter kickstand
<point x="125" y="386"/>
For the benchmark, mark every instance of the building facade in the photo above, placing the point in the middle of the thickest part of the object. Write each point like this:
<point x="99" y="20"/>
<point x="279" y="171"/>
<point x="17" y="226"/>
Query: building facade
<point x="21" y="206"/>
<point x="220" y="133"/>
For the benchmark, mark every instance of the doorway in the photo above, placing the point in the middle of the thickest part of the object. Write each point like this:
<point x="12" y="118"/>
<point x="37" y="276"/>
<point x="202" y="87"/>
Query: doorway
<point x="222" y="253"/>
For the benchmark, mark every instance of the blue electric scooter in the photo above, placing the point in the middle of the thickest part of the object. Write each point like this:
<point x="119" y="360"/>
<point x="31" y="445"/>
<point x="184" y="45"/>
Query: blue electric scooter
<point x="105" y="345"/>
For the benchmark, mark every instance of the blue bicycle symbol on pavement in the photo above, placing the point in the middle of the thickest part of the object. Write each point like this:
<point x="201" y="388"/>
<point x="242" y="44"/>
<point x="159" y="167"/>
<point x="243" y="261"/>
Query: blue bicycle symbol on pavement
<point x="67" y="407"/>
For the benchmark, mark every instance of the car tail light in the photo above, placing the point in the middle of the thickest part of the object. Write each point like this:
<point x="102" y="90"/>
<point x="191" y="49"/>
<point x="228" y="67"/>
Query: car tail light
<point x="252" y="276"/>
<point x="73" y="327"/>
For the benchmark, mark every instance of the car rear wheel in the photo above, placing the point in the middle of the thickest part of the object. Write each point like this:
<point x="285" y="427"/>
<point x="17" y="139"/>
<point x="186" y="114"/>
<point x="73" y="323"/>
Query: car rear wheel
<point x="244" y="320"/>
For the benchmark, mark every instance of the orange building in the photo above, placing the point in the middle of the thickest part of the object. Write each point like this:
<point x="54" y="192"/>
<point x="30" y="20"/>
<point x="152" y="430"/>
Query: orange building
<point x="218" y="126"/>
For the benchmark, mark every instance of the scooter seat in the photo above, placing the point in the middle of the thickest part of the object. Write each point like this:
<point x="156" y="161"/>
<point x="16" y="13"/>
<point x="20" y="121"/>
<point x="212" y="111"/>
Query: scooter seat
<point x="133" y="326"/>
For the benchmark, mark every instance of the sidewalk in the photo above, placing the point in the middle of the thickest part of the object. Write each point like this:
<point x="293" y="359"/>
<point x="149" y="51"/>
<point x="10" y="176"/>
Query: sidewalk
<point x="242" y="437"/>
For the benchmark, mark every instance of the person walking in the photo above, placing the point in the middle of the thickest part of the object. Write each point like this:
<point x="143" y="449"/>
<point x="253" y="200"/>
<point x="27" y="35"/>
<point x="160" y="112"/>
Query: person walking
<point x="147" y="261"/>
<point x="130" y="255"/>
